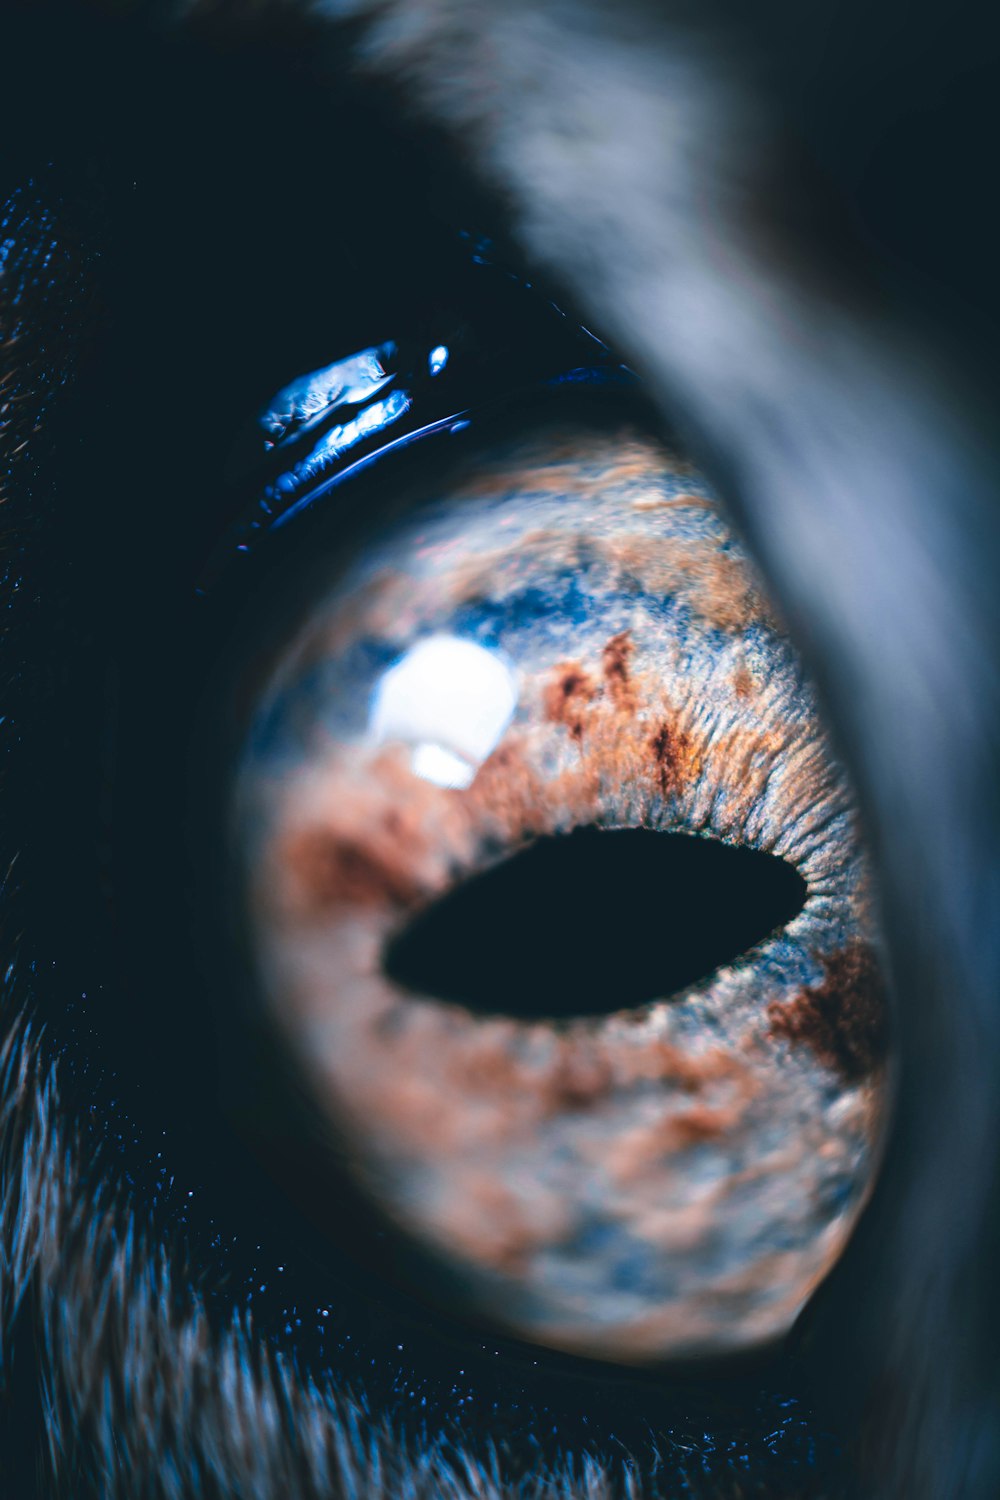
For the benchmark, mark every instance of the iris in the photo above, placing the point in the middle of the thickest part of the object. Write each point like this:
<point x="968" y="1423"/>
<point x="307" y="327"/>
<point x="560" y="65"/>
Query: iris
<point x="565" y="647"/>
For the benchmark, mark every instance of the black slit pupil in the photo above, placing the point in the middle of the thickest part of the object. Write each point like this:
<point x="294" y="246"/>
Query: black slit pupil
<point x="594" y="921"/>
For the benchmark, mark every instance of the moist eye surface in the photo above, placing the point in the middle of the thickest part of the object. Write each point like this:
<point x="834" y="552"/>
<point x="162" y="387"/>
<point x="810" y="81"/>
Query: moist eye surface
<point x="559" y="912"/>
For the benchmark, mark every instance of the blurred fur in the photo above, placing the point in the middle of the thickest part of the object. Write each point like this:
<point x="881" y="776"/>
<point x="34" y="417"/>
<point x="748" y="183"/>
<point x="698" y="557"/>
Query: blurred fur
<point x="141" y="1395"/>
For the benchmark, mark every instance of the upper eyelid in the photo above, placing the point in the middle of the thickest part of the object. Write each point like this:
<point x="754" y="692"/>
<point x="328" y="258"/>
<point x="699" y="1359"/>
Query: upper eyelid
<point x="299" y="406"/>
<point x="326" y="426"/>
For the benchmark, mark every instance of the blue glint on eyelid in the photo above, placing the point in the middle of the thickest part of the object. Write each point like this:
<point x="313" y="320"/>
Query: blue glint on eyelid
<point x="308" y="402"/>
<point x="445" y="425"/>
<point x="339" y="440"/>
<point x="346" y="382"/>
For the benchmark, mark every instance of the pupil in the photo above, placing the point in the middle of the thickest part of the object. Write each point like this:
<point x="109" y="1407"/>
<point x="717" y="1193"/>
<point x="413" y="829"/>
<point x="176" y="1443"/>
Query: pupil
<point x="594" y="921"/>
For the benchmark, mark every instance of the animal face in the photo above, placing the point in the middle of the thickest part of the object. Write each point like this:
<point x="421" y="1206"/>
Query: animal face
<point x="726" y="228"/>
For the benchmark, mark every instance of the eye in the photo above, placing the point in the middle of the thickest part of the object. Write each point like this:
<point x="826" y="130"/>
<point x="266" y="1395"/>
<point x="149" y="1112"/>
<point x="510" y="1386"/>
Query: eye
<point x="557" y="909"/>
<point x="216" y="1272"/>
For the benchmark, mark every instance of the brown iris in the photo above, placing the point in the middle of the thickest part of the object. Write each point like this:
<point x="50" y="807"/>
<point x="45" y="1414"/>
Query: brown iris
<point x="559" y="907"/>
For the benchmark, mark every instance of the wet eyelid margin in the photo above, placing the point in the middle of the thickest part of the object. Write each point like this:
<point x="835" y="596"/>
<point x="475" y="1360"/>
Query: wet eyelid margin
<point x="324" y="429"/>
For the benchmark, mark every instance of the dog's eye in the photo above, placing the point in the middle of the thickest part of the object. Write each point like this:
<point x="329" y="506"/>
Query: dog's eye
<point x="558" y="910"/>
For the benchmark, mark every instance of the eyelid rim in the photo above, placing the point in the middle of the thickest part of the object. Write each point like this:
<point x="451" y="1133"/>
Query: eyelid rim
<point x="505" y="336"/>
<point x="456" y="421"/>
<point x="263" y="513"/>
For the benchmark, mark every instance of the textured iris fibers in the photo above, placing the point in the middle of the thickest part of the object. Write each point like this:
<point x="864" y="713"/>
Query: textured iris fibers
<point x="539" y="933"/>
<point x="567" y="646"/>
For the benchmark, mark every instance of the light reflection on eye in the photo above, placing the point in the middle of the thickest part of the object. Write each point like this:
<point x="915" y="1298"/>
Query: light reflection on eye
<point x="437" y="359"/>
<point x="571" y="641"/>
<point x="452" y="700"/>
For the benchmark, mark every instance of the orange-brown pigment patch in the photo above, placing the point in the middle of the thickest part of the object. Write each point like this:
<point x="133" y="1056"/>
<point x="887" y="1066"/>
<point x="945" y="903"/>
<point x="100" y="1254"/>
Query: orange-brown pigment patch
<point x="604" y="713"/>
<point x="331" y="871"/>
<point x="675" y="757"/>
<point x="743" y="684"/>
<point x="615" y="659"/>
<point x="842" y="1020"/>
<point x="566" y="697"/>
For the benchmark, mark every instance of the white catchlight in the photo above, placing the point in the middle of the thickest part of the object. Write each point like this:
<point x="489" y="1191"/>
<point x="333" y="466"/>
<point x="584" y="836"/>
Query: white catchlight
<point x="451" y="700"/>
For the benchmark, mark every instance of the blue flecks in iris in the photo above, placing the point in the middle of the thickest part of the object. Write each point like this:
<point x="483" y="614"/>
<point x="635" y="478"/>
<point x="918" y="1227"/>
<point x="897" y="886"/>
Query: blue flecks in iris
<point x="632" y="1267"/>
<point x="567" y="604"/>
<point x="838" y="1193"/>
<point x="437" y="359"/>
<point x="784" y="962"/>
<point x="564" y="597"/>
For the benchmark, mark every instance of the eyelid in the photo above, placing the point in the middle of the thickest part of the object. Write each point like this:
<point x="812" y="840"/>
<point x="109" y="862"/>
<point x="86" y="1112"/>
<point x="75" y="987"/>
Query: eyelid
<point x="349" y="449"/>
<point x="501" y="335"/>
<point x="300" y="407"/>
<point x="336" y="441"/>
